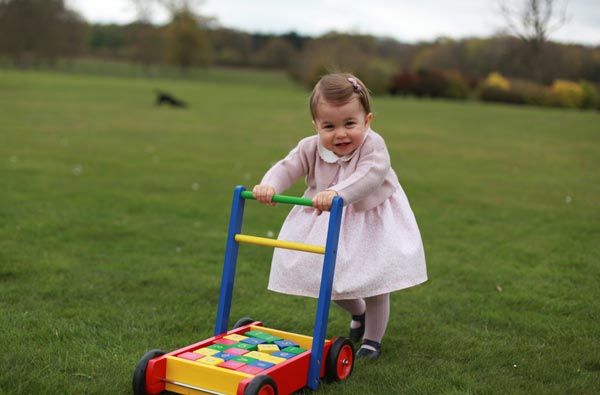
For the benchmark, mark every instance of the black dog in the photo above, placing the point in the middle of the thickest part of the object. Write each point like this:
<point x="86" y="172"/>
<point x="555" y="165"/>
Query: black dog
<point x="168" y="99"/>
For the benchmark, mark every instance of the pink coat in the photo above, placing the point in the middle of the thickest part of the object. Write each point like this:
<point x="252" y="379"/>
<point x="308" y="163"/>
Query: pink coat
<point x="380" y="248"/>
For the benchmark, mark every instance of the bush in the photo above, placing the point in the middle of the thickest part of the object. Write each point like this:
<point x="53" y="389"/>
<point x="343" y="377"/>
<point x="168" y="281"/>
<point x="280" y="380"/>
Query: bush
<point x="532" y="93"/>
<point x="497" y="81"/>
<point x="456" y="86"/>
<point x="591" y="95"/>
<point x="567" y="94"/>
<point x="404" y="83"/>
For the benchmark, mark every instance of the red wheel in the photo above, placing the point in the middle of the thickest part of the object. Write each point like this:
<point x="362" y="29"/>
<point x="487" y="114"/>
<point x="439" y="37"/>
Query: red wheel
<point x="340" y="360"/>
<point x="261" y="385"/>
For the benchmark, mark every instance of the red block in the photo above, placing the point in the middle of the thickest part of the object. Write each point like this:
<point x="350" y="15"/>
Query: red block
<point x="191" y="356"/>
<point x="250" y="369"/>
<point x="231" y="365"/>
<point x="226" y="342"/>
<point x="235" y="351"/>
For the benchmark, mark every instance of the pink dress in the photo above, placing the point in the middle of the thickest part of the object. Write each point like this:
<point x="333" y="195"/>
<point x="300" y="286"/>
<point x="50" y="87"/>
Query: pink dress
<point x="380" y="248"/>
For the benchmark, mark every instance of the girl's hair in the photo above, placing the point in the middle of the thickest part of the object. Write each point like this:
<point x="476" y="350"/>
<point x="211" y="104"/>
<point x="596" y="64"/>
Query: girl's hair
<point x="339" y="88"/>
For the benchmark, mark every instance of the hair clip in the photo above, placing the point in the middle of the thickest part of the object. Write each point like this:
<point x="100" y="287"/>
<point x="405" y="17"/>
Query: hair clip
<point x="357" y="87"/>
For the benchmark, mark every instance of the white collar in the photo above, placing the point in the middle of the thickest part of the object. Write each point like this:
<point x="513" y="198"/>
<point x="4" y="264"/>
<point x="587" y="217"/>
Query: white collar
<point x="331" y="157"/>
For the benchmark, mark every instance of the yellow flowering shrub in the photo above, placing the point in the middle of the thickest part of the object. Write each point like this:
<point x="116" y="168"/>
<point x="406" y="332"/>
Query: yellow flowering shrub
<point x="496" y="80"/>
<point x="567" y="93"/>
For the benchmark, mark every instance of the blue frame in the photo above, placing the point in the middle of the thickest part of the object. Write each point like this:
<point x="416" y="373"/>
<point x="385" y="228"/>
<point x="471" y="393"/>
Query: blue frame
<point x="324" y="301"/>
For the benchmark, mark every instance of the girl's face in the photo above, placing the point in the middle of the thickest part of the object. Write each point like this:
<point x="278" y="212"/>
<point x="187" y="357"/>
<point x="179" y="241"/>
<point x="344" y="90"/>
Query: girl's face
<point x="341" y="128"/>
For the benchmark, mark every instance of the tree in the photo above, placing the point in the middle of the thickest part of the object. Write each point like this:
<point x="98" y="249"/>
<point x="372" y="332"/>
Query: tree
<point x="33" y="30"/>
<point x="535" y="20"/>
<point x="186" y="43"/>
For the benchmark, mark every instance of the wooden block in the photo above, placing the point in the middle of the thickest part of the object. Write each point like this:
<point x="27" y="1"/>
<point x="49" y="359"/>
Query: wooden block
<point x="227" y="342"/>
<point x="294" y="350"/>
<point x="257" y="334"/>
<point x="283" y="354"/>
<point x="235" y="351"/>
<point x="210" y="361"/>
<point x="242" y="359"/>
<point x="262" y="364"/>
<point x="219" y="347"/>
<point x="206" y="351"/>
<point x="250" y="369"/>
<point x="274" y="360"/>
<point x="268" y="348"/>
<point x="271" y="338"/>
<point x="235" y="338"/>
<point x="231" y="365"/>
<point x="224" y="356"/>
<point x="190" y="356"/>
<point x="285" y="343"/>
<point x="253" y="340"/>
<point x="257" y="355"/>
<point x="245" y="346"/>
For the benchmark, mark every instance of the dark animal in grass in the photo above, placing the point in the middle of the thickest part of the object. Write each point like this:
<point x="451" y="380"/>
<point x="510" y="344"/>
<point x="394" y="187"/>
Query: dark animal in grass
<point x="169" y="99"/>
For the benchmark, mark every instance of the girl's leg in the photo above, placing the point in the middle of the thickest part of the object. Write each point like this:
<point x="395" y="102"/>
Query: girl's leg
<point x="378" y="314"/>
<point x="356" y="307"/>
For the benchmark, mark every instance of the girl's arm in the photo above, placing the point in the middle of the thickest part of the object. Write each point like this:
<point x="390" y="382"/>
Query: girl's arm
<point x="371" y="171"/>
<point x="288" y="170"/>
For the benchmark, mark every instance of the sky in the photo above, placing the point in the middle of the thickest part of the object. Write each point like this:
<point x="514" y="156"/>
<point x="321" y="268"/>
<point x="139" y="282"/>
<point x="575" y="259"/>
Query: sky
<point x="403" y="20"/>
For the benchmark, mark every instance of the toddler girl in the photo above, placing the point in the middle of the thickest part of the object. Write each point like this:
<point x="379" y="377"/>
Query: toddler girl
<point x="380" y="248"/>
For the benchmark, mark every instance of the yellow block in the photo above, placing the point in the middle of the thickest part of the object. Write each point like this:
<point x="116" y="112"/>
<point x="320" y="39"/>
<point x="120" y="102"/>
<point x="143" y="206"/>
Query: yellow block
<point x="208" y="377"/>
<point x="235" y="338"/>
<point x="268" y="348"/>
<point x="288" y="245"/>
<point x="206" y="351"/>
<point x="270" y="359"/>
<point x="210" y="360"/>
<point x="257" y="355"/>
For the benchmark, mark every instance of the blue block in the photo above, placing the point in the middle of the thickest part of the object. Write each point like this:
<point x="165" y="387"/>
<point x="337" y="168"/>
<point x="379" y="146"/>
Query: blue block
<point x="285" y="343"/>
<point x="224" y="355"/>
<point x="262" y="364"/>
<point x="283" y="354"/>
<point x="253" y="340"/>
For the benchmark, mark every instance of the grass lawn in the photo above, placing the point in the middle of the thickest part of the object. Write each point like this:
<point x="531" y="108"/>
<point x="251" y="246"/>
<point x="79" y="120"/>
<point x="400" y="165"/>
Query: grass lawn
<point x="113" y="216"/>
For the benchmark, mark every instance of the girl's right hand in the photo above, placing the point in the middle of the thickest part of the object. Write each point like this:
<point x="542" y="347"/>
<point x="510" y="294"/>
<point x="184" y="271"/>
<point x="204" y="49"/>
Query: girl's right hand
<point x="264" y="194"/>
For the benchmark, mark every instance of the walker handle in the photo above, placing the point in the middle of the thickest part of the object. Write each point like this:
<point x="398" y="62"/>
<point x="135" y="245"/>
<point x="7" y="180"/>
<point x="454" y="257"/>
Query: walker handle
<point x="300" y="201"/>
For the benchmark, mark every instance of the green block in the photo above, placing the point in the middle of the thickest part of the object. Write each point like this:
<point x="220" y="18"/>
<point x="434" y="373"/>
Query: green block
<point x="256" y="334"/>
<point x="242" y="359"/>
<point x="271" y="338"/>
<point x="219" y="347"/>
<point x="245" y="346"/>
<point x="294" y="350"/>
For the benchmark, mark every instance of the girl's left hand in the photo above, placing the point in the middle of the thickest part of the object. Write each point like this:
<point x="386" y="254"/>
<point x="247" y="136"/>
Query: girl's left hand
<point x="322" y="201"/>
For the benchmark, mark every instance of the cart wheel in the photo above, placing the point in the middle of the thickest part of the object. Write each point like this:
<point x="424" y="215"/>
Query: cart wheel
<point x="340" y="360"/>
<point x="261" y="385"/>
<point x="243" y="322"/>
<point x="139" y="375"/>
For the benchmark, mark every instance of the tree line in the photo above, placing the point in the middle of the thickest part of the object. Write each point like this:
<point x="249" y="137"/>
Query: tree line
<point x="45" y="30"/>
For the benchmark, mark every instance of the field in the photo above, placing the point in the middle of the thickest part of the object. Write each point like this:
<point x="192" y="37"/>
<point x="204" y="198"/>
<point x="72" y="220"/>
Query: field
<point x="113" y="216"/>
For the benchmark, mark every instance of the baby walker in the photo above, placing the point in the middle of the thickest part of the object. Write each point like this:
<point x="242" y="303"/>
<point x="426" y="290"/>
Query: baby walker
<point x="251" y="359"/>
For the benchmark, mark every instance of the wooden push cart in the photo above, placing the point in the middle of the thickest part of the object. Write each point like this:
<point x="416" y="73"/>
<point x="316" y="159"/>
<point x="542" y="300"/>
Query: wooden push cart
<point x="208" y="366"/>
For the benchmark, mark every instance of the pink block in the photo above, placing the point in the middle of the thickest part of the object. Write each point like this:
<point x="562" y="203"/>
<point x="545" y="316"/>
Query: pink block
<point x="250" y="369"/>
<point x="231" y="365"/>
<point x="236" y="351"/>
<point x="191" y="356"/>
<point x="226" y="342"/>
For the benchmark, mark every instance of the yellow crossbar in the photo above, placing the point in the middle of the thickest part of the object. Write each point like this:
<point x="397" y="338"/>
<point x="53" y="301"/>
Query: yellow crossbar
<point x="263" y="241"/>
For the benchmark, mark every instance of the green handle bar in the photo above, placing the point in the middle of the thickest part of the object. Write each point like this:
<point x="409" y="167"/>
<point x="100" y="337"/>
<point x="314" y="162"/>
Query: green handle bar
<point x="282" y="199"/>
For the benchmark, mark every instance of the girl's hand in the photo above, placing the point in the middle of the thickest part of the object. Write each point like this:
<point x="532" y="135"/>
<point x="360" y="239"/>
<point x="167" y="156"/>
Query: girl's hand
<point x="264" y="194"/>
<point x="322" y="201"/>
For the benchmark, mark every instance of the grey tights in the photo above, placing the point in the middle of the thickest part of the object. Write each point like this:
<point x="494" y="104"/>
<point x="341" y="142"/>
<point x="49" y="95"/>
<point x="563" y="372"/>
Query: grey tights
<point x="377" y="310"/>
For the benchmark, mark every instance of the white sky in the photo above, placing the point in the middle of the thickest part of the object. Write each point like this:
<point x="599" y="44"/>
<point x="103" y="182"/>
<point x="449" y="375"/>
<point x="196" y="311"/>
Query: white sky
<point x="404" y="20"/>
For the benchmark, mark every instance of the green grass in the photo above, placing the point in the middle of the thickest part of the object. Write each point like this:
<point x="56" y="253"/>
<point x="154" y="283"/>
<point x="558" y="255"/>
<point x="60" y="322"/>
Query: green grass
<point x="113" y="216"/>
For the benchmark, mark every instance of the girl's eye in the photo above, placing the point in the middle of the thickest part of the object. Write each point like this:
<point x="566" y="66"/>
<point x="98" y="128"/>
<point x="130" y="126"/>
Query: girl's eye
<point x="350" y="123"/>
<point x="328" y="127"/>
